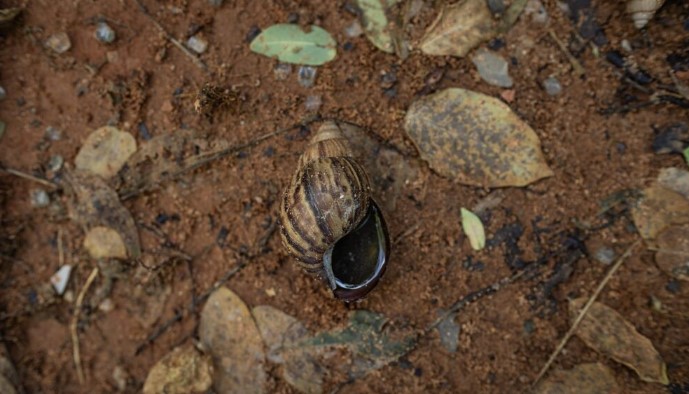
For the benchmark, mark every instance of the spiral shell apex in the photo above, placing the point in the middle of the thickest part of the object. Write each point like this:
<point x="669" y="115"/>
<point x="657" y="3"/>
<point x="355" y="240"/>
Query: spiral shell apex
<point x="329" y="221"/>
<point x="643" y="10"/>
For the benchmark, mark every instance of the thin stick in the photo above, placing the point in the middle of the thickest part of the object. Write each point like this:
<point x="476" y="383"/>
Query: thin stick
<point x="583" y="312"/>
<point x="578" y="68"/>
<point x="29" y="177"/>
<point x="75" y="321"/>
<point x="198" y="62"/>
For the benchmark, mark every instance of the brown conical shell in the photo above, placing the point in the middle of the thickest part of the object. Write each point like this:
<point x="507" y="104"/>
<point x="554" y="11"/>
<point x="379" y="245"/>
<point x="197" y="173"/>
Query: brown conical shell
<point x="327" y="198"/>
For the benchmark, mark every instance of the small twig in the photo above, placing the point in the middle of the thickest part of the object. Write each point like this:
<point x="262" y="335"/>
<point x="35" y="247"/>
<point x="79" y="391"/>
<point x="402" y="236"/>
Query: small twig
<point x="578" y="68"/>
<point x="584" y="310"/>
<point x="198" y="62"/>
<point x="30" y="177"/>
<point x="75" y="321"/>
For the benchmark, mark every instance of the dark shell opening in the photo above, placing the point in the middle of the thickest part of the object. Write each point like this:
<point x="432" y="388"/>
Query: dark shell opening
<point x="357" y="261"/>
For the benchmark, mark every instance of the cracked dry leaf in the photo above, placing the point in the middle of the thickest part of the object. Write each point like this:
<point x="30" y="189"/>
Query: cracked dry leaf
<point x="475" y="139"/>
<point x="458" y="29"/>
<point x="182" y="371"/>
<point x="658" y="209"/>
<point x="672" y="255"/>
<point x="583" y="378"/>
<point x="105" y="151"/>
<point x="281" y="333"/>
<point x="229" y="333"/>
<point x="103" y="242"/>
<point x="607" y="332"/>
<point x="95" y="204"/>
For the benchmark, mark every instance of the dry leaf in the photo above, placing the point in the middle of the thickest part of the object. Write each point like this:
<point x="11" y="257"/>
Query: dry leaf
<point x="458" y="29"/>
<point x="475" y="139"/>
<point x="228" y="332"/>
<point x="105" y="151"/>
<point x="607" y="332"/>
<point x="676" y="180"/>
<point x="182" y="371"/>
<point x="104" y="242"/>
<point x="659" y="208"/>
<point x="95" y="204"/>
<point x="376" y="24"/>
<point x="473" y="228"/>
<point x="583" y="378"/>
<point x="672" y="255"/>
<point x="281" y="332"/>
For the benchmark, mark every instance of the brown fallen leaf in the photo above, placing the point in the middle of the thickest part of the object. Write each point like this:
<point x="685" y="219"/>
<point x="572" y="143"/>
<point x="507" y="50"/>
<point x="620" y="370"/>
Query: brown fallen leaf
<point x="607" y="332"/>
<point x="583" y="378"/>
<point x="105" y="151"/>
<point x="458" y="29"/>
<point x="103" y="242"/>
<point x="182" y="371"/>
<point x="228" y="332"/>
<point x="672" y="253"/>
<point x="95" y="204"/>
<point x="475" y="139"/>
<point x="659" y="208"/>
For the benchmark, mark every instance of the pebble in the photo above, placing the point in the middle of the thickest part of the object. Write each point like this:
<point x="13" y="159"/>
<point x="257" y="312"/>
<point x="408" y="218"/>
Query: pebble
<point x="604" y="255"/>
<point x="59" y="42"/>
<point x="55" y="163"/>
<point x="626" y="45"/>
<point x="529" y="326"/>
<point x="39" y="198"/>
<point x="449" y="333"/>
<point x="60" y="279"/>
<point x="3" y="93"/>
<point x="106" y="305"/>
<point x="354" y="29"/>
<point x="307" y="76"/>
<point x="104" y="33"/>
<point x="197" y="44"/>
<point x="282" y="71"/>
<point x="673" y="286"/>
<point x="492" y="67"/>
<point x="120" y="376"/>
<point x="552" y="86"/>
<point x="537" y="11"/>
<point x="313" y="103"/>
<point x="496" y="6"/>
<point x="215" y="3"/>
<point x="53" y="134"/>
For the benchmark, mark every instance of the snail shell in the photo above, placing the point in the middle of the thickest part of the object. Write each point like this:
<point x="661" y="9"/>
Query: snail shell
<point x="329" y="221"/>
<point x="643" y="10"/>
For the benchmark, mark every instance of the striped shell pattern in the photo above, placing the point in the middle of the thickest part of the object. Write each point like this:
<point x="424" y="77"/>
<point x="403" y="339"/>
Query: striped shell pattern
<point x="643" y="10"/>
<point x="327" y="198"/>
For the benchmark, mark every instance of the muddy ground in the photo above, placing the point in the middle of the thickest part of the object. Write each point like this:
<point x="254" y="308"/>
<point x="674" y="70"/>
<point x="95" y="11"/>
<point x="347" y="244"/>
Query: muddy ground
<point x="223" y="214"/>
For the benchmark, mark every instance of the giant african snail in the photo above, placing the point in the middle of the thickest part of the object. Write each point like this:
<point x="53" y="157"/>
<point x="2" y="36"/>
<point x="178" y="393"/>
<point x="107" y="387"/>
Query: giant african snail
<point x="329" y="221"/>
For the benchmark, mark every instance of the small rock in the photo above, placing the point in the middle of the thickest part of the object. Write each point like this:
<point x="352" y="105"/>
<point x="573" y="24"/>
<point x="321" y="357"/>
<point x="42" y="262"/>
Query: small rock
<point x="60" y="279"/>
<point x="493" y="68"/>
<point x="449" y="333"/>
<point x="604" y="255"/>
<point x="59" y="42"/>
<point x="354" y="29"/>
<point x="3" y="93"/>
<point x="197" y="44"/>
<point x="39" y="198"/>
<point x="104" y="33"/>
<point x="106" y="305"/>
<point x="313" y="103"/>
<point x="626" y="45"/>
<point x="552" y="86"/>
<point x="673" y="286"/>
<point x="53" y="134"/>
<point x="112" y="56"/>
<point x="529" y="326"/>
<point x="293" y="18"/>
<point x="215" y="3"/>
<point x="120" y="376"/>
<point x="282" y="71"/>
<point x="537" y="11"/>
<point x="55" y="163"/>
<point x="307" y="76"/>
<point x="496" y="6"/>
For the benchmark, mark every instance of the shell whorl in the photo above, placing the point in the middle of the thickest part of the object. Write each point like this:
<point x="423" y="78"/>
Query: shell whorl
<point x="643" y="10"/>
<point x="328" y="196"/>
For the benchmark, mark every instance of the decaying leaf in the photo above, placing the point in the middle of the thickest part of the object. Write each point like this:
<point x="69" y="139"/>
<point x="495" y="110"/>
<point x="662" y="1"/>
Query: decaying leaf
<point x="281" y="333"/>
<point x="459" y="28"/>
<point x="95" y="204"/>
<point x="376" y="24"/>
<point x="473" y="228"/>
<point x="676" y="180"/>
<point x="290" y="44"/>
<point x="228" y="332"/>
<point x="182" y="371"/>
<point x="607" y="332"/>
<point x="475" y="139"/>
<point x="103" y="242"/>
<point x="105" y="151"/>
<point x="583" y="378"/>
<point x="672" y="255"/>
<point x="659" y="208"/>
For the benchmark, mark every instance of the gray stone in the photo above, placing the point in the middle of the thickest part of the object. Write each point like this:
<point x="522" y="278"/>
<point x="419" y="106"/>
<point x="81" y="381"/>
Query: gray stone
<point x="552" y="86"/>
<point x="492" y="67"/>
<point x="39" y="198"/>
<point x="282" y="71"/>
<point x="307" y="76"/>
<point x="104" y="33"/>
<point x="197" y="44"/>
<point x="604" y="255"/>
<point x="59" y="42"/>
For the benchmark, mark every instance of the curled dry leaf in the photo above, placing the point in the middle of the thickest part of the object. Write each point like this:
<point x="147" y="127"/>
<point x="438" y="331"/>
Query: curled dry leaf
<point x="475" y="139"/>
<point x="657" y="209"/>
<point x="672" y="255"/>
<point x="182" y="371"/>
<point x="95" y="204"/>
<point x="228" y="332"/>
<point x="281" y="333"/>
<point x="607" y="332"/>
<point x="458" y="29"/>
<point x="583" y="378"/>
<point x="103" y="242"/>
<point x="105" y="151"/>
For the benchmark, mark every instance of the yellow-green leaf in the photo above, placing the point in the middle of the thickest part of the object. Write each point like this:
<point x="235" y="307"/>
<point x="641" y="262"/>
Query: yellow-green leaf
<point x="473" y="228"/>
<point x="290" y="44"/>
<point x="376" y="23"/>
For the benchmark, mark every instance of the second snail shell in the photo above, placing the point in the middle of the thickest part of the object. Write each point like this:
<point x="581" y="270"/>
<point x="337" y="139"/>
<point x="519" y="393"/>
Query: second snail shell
<point x="643" y="10"/>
